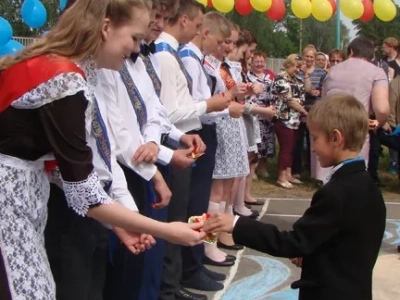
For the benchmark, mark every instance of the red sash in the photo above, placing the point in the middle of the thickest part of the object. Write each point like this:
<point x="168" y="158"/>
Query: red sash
<point x="23" y="77"/>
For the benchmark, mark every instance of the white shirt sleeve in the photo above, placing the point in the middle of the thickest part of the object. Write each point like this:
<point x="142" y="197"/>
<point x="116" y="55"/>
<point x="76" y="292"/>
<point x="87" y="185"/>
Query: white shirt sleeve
<point x="165" y="155"/>
<point x="126" y="145"/>
<point x="152" y="129"/>
<point x="174" y="92"/>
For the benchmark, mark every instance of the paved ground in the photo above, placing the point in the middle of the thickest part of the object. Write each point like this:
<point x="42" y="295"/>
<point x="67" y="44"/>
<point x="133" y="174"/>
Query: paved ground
<point x="257" y="276"/>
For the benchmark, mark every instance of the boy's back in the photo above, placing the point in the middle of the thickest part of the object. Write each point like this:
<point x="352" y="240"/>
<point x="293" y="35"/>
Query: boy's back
<point x="342" y="267"/>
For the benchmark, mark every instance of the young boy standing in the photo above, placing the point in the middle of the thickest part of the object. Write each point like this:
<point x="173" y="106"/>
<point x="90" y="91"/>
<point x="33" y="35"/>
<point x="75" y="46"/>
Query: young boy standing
<point x="339" y="236"/>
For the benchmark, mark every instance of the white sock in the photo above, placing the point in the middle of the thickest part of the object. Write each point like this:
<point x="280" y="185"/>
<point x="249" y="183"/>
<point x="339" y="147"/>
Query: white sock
<point x="222" y="206"/>
<point x="213" y="253"/>
<point x="239" y="197"/>
<point x="229" y="209"/>
<point x="213" y="207"/>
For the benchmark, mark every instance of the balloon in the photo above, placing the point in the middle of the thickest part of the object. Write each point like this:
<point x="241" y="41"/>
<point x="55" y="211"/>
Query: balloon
<point x="334" y="6"/>
<point x="353" y="9"/>
<point x="63" y="4"/>
<point x="368" y="11"/>
<point x="204" y="2"/>
<point x="321" y="10"/>
<point x="223" y="6"/>
<point x="6" y="31"/>
<point x="277" y="10"/>
<point x="209" y="3"/>
<point x="27" y="8"/>
<point x="10" y="48"/>
<point x="37" y="16"/>
<point x="261" y="5"/>
<point x="385" y="10"/>
<point x="243" y="7"/>
<point x="301" y="8"/>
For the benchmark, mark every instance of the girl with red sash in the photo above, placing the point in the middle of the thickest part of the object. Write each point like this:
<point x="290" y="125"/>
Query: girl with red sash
<point x="47" y="97"/>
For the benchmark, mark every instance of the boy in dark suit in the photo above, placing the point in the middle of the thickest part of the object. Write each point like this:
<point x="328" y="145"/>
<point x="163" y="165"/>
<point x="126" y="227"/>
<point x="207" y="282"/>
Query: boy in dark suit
<point x="337" y="240"/>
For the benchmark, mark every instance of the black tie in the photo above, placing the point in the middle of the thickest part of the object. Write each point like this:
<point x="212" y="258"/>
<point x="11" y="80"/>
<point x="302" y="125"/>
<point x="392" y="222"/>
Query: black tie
<point x="146" y="50"/>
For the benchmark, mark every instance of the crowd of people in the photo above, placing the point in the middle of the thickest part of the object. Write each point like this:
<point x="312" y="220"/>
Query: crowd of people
<point x="131" y="116"/>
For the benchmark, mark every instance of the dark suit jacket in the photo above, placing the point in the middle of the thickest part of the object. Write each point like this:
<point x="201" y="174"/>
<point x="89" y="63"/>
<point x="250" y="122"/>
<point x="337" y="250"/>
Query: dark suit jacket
<point x="339" y="237"/>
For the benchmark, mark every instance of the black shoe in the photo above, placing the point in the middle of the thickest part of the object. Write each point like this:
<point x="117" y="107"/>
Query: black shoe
<point x="230" y="257"/>
<point x="225" y="263"/>
<point x="214" y="275"/>
<point x="200" y="281"/>
<point x="233" y="247"/>
<point x="398" y="248"/>
<point x="257" y="202"/>
<point x="184" y="294"/>
<point x="254" y="214"/>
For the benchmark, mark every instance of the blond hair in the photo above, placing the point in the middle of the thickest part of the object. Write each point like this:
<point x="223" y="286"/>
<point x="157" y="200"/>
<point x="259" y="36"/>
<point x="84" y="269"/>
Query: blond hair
<point x="292" y="60"/>
<point x="77" y="33"/>
<point x="344" y="113"/>
<point x="217" y="24"/>
<point x="310" y="48"/>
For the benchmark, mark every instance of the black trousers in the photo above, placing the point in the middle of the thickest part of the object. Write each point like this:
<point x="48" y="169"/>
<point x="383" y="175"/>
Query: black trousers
<point x="77" y="248"/>
<point x="299" y="151"/>
<point x="177" y="211"/>
<point x="375" y="151"/>
<point x="200" y="189"/>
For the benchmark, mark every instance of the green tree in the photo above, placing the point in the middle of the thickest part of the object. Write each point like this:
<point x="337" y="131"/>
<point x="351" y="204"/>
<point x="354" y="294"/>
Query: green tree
<point x="11" y="11"/>
<point x="378" y="29"/>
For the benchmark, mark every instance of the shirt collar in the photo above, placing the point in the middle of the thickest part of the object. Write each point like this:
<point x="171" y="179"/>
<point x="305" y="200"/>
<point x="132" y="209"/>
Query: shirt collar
<point x="169" y="39"/>
<point x="340" y="165"/>
<point x="89" y="67"/>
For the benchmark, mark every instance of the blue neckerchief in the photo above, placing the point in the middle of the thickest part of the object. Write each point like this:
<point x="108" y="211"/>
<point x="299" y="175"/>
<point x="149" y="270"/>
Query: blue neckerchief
<point x="99" y="131"/>
<point x="152" y="74"/>
<point x="189" y="53"/>
<point x="338" y="166"/>
<point x="135" y="97"/>
<point x="160" y="47"/>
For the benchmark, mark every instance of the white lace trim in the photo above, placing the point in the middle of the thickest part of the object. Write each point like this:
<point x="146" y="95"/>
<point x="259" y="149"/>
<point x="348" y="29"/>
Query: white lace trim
<point x="83" y="194"/>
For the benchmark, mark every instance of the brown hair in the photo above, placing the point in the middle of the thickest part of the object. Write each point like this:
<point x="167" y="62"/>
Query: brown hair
<point x="189" y="8"/>
<point x="253" y="39"/>
<point x="391" y="42"/>
<point x="344" y="113"/>
<point x="243" y="39"/>
<point x="337" y="52"/>
<point x="259" y="54"/>
<point x="217" y="24"/>
<point x="77" y="33"/>
<point x="169" y="5"/>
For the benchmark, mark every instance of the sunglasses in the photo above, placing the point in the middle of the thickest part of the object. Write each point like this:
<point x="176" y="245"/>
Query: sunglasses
<point x="336" y="61"/>
<point x="298" y="57"/>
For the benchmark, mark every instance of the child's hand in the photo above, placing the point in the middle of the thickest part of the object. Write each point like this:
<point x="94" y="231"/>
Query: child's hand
<point x="219" y="223"/>
<point x="298" y="262"/>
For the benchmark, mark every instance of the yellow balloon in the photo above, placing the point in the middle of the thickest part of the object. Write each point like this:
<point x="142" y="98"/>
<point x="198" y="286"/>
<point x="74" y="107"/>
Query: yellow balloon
<point x="204" y="2"/>
<point x="301" y="8"/>
<point x="261" y="5"/>
<point x="353" y="9"/>
<point x="223" y="6"/>
<point x="321" y="10"/>
<point x="385" y="10"/>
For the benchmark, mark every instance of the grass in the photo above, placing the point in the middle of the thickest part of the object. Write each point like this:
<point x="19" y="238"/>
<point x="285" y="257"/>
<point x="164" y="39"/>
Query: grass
<point x="269" y="188"/>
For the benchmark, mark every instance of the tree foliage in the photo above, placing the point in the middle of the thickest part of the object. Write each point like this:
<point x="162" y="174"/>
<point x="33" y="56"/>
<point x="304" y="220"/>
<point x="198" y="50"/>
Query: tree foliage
<point x="279" y="39"/>
<point x="11" y="11"/>
<point x="378" y="29"/>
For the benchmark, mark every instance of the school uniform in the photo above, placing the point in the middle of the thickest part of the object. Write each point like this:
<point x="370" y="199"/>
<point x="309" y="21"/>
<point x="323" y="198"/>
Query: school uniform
<point x="339" y="236"/>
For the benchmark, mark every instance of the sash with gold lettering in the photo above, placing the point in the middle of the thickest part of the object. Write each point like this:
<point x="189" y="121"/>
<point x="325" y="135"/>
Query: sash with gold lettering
<point x="135" y="97"/>
<point x="99" y="131"/>
<point x="152" y="74"/>
<point x="24" y="76"/>
<point x="160" y="47"/>
<point x="227" y="77"/>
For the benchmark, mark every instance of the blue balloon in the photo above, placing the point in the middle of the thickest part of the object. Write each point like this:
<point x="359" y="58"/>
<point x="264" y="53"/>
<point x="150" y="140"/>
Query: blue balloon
<point x="38" y="15"/>
<point x="11" y="48"/>
<point x="27" y="8"/>
<point x="6" y="31"/>
<point x="63" y="4"/>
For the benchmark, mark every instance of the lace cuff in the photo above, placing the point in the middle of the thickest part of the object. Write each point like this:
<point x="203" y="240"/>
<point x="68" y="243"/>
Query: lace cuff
<point x="82" y="195"/>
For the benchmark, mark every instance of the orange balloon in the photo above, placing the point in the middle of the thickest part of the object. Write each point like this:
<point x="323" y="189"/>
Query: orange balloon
<point x="243" y="7"/>
<point x="209" y="3"/>
<point x="334" y="6"/>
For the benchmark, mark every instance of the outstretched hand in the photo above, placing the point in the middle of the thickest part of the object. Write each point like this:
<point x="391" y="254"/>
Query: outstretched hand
<point x="135" y="242"/>
<point x="219" y="223"/>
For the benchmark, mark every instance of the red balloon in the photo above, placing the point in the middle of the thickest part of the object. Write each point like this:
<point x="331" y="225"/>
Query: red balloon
<point x="368" y="11"/>
<point x="243" y="7"/>
<point x="277" y="10"/>
<point x="334" y="6"/>
<point x="209" y="3"/>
